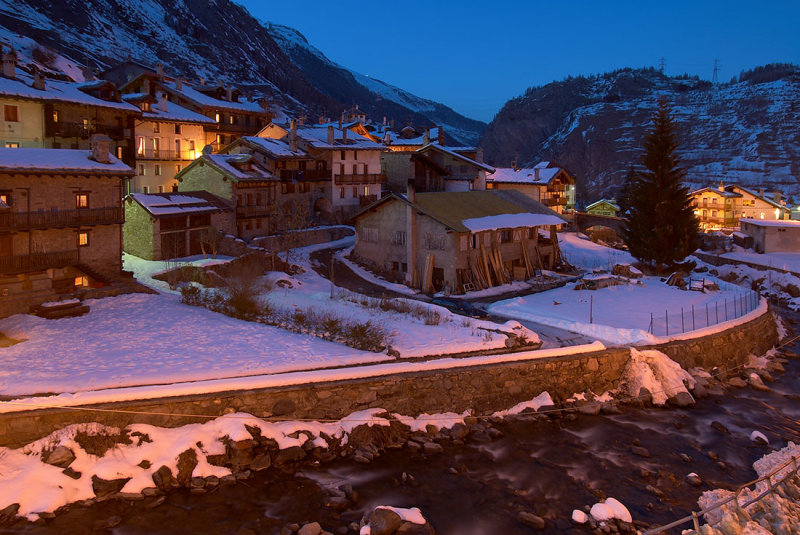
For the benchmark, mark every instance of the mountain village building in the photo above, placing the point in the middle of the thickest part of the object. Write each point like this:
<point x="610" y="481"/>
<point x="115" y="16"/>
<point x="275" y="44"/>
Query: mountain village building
<point x="607" y="207"/>
<point x="545" y="182"/>
<point x="60" y="222"/>
<point x="39" y="113"/>
<point x="724" y="206"/>
<point x="456" y="241"/>
<point x="772" y="236"/>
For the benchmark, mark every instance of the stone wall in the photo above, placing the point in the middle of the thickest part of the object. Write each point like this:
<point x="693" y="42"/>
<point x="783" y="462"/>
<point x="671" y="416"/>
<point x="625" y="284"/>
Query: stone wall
<point x="484" y="389"/>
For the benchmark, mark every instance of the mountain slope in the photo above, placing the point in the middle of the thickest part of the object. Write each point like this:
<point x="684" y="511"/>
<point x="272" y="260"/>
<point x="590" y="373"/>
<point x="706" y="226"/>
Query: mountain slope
<point x="214" y="39"/>
<point x="746" y="131"/>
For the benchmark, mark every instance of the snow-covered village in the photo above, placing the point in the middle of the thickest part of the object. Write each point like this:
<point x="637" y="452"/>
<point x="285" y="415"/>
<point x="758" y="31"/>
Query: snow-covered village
<point x="246" y="289"/>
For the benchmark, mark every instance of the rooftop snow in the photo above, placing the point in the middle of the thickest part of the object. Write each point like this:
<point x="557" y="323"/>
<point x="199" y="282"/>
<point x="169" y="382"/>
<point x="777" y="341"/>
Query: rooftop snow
<point x="456" y="155"/>
<point x="226" y="162"/>
<point x="317" y="137"/>
<point x="275" y="147"/>
<point x="60" y="160"/>
<point x="160" y="204"/>
<point x="56" y="91"/>
<point x="201" y="99"/>
<point x="494" y="222"/>
<point x="771" y="223"/>
<point x="524" y="176"/>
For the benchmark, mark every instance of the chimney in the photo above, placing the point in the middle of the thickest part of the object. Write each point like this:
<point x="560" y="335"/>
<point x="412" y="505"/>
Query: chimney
<point x="411" y="190"/>
<point x="479" y="155"/>
<point x="536" y="173"/>
<point x="38" y="80"/>
<point x="761" y="192"/>
<point x="340" y="123"/>
<point x="202" y="80"/>
<point x="330" y="135"/>
<point x="179" y="83"/>
<point x="146" y="86"/>
<point x="100" y="148"/>
<point x="293" y="135"/>
<point x="9" y="63"/>
<point x="160" y="71"/>
<point x="777" y="196"/>
<point x="387" y="139"/>
<point x="721" y="186"/>
<point x="426" y="137"/>
<point x="441" y="135"/>
<point x="162" y="101"/>
<point x="344" y="134"/>
<point x="384" y="120"/>
<point x="302" y="120"/>
<point x="229" y="93"/>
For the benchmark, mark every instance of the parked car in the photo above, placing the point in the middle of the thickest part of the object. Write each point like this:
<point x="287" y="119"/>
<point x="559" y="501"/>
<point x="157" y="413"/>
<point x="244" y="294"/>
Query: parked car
<point x="459" y="307"/>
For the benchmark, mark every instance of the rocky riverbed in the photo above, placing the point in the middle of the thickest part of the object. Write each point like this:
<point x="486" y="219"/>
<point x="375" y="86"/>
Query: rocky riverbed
<point x="516" y="474"/>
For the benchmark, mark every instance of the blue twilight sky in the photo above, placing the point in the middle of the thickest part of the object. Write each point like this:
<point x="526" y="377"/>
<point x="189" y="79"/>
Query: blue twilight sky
<point x="475" y="55"/>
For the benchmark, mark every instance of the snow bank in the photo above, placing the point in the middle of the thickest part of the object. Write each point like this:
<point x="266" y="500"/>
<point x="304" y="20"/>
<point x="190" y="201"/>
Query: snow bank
<point x="444" y="420"/>
<point x="536" y="403"/>
<point x="609" y="510"/>
<point x="655" y="371"/>
<point x="413" y="515"/>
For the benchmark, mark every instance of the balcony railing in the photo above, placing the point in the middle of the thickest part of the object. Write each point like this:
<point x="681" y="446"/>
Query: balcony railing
<point x="553" y="188"/>
<point x="377" y="178"/>
<point x="255" y="211"/>
<point x="555" y="201"/>
<point x="67" y="129"/>
<point x="153" y="154"/>
<point x="10" y="265"/>
<point x="306" y="174"/>
<point x="366" y="200"/>
<point x="60" y="218"/>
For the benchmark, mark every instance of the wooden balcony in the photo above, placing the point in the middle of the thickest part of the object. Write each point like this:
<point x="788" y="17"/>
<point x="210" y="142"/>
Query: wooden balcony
<point x="10" y="265"/>
<point x="555" y="201"/>
<point x="167" y="155"/>
<point x="376" y="178"/>
<point x="79" y="130"/>
<point x="305" y="174"/>
<point x="556" y="188"/>
<point x="44" y="219"/>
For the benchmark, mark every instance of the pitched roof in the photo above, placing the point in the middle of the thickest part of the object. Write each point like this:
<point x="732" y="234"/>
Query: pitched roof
<point x="757" y="196"/>
<point x="57" y="91"/>
<point x="203" y="100"/>
<point x="195" y="202"/>
<point x="60" y="161"/>
<point x="456" y="155"/>
<point x="785" y="223"/>
<point x="274" y="147"/>
<point x="475" y="211"/>
<point x="609" y="202"/>
<point x="317" y="137"/>
<point x="724" y="193"/>
<point x="525" y="176"/>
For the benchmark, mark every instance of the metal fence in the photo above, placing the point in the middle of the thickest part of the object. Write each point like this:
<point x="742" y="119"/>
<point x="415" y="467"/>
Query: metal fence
<point x="691" y="317"/>
<point x="792" y="464"/>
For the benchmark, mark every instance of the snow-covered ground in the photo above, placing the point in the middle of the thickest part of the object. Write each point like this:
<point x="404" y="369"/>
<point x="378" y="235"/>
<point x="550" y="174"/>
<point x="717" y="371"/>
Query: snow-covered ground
<point x="583" y="253"/>
<point x="622" y="314"/>
<point x="143" y="339"/>
<point x="786" y="261"/>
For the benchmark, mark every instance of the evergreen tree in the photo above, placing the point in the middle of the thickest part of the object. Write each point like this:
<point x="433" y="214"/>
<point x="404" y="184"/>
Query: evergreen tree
<point x="623" y="198"/>
<point x="661" y="227"/>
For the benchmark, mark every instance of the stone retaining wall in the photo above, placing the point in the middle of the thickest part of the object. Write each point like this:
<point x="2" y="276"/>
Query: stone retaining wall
<point x="484" y="389"/>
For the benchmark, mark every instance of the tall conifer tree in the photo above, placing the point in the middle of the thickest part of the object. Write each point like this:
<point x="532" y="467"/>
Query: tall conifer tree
<point x="661" y="227"/>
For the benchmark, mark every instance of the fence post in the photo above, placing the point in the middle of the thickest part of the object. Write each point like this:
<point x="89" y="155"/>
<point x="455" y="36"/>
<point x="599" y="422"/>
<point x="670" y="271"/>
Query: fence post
<point x="696" y="522"/>
<point x="683" y="329"/>
<point x="716" y="311"/>
<point x="591" y="309"/>
<point x="666" y="320"/>
<point x="707" y="324"/>
<point x="693" y="317"/>
<point x="726" y="309"/>
<point x="651" y="329"/>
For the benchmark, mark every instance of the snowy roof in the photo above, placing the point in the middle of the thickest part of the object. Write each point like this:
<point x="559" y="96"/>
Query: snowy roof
<point x="203" y="100"/>
<point x="525" y="176"/>
<point x="456" y="155"/>
<point x="58" y="161"/>
<point x="721" y="193"/>
<point x="229" y="165"/>
<point x="785" y="223"/>
<point x="476" y="211"/>
<point x="163" y="204"/>
<point x="175" y="113"/>
<point x="56" y="91"/>
<point x="610" y="202"/>
<point x="274" y="147"/>
<point x="494" y="222"/>
<point x="418" y="140"/>
<point x="764" y="198"/>
<point x="317" y="137"/>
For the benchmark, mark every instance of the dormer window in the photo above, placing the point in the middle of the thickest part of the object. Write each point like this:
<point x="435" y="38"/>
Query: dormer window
<point x="146" y="106"/>
<point x="217" y="116"/>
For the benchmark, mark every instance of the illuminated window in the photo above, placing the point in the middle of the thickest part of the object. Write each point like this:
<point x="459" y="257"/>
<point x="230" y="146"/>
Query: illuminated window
<point x="191" y="144"/>
<point x="178" y="168"/>
<point x="762" y="215"/>
<point x="366" y="190"/>
<point x="140" y="146"/>
<point x="232" y="119"/>
<point x="156" y="128"/>
<point x="11" y="113"/>
<point x="341" y="193"/>
<point x="119" y="152"/>
<point x="12" y="145"/>
<point x="86" y="124"/>
<point x="83" y="238"/>
<point x="217" y="116"/>
<point x="157" y="169"/>
<point x="55" y="116"/>
<point x="141" y="169"/>
<point x="5" y="198"/>
<point x="81" y="200"/>
<point x="82" y="281"/>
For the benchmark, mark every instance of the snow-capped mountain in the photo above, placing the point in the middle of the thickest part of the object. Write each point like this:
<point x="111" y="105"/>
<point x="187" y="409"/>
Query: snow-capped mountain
<point x="746" y="131"/>
<point x="213" y="39"/>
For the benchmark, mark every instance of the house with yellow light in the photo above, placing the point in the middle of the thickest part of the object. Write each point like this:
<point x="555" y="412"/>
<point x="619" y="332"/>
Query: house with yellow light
<point x="545" y="182"/>
<point x="723" y="207"/>
<point x="606" y="207"/>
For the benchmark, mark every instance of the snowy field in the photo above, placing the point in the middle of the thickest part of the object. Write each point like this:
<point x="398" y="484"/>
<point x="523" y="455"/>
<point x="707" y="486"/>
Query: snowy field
<point x="583" y="253"/>
<point x="622" y="314"/>
<point x="154" y="339"/>
<point x="786" y="261"/>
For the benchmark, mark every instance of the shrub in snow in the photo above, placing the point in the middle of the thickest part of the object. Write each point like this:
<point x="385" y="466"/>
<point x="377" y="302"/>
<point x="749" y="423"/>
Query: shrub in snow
<point x="656" y="372"/>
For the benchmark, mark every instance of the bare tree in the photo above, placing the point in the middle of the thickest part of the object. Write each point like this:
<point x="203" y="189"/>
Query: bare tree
<point x="209" y="241"/>
<point x="294" y="216"/>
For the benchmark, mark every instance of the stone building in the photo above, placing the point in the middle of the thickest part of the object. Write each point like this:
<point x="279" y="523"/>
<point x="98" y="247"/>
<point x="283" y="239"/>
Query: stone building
<point x="39" y="113"/>
<point x="457" y="241"/>
<point x="160" y="226"/>
<point x="724" y="206"/>
<point x="545" y="182"/>
<point x="60" y="222"/>
<point x="240" y="180"/>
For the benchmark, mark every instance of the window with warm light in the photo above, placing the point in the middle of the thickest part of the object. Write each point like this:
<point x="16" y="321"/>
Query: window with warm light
<point x="12" y="144"/>
<point x="217" y="117"/>
<point x="156" y="128"/>
<point x="55" y="116"/>
<point x="119" y="152"/>
<point x="83" y="238"/>
<point x="81" y="200"/>
<point x="82" y="281"/>
<point x="142" y="170"/>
